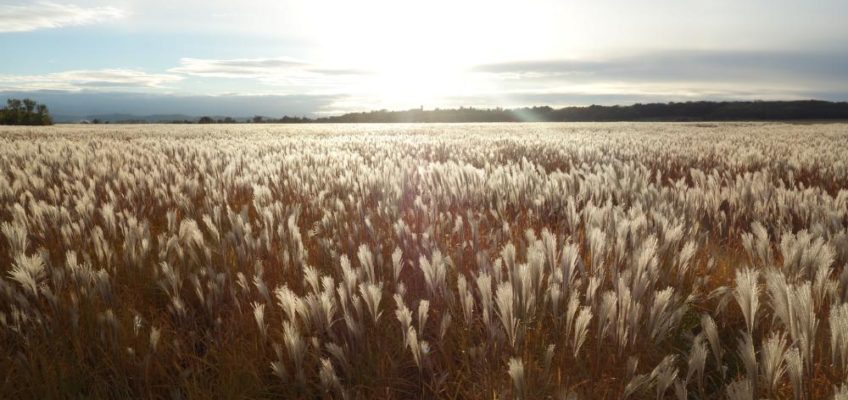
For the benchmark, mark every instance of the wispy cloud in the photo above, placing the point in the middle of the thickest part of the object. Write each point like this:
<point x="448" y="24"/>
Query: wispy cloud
<point x="47" y="15"/>
<point x="279" y="70"/>
<point x="87" y="79"/>
<point x="239" y="68"/>
<point x="684" y="65"/>
<point x="674" y="75"/>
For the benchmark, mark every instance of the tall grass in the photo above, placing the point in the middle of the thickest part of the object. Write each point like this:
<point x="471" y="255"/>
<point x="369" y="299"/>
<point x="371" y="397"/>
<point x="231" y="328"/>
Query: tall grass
<point x="642" y="261"/>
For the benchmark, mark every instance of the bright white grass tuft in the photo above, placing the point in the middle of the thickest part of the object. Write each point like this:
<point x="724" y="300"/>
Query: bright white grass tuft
<point x="841" y="392"/>
<point x="697" y="360"/>
<point x="397" y="263"/>
<point x="329" y="379"/>
<point x="749" y="358"/>
<point x="466" y="299"/>
<point x="516" y="373"/>
<point x="581" y="328"/>
<point x="418" y="348"/>
<point x="740" y="390"/>
<point x="259" y="316"/>
<point x="747" y="296"/>
<point x="664" y="374"/>
<point x="504" y="299"/>
<point x="795" y="370"/>
<point x="155" y="335"/>
<point x="434" y="273"/>
<point x="423" y="312"/>
<point x="16" y="235"/>
<point x="484" y="286"/>
<point x="372" y="294"/>
<point x="28" y="272"/>
<point x="839" y="337"/>
<point x="366" y="261"/>
<point x="404" y="316"/>
<point x="711" y="331"/>
<point x="772" y="355"/>
<point x="295" y="344"/>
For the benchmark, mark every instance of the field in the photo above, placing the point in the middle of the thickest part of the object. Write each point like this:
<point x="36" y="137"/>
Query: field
<point x="502" y="261"/>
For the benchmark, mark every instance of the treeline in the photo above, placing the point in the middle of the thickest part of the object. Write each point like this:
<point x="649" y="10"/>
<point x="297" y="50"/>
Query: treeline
<point x="24" y="112"/>
<point x="685" y="111"/>
<point x="688" y="111"/>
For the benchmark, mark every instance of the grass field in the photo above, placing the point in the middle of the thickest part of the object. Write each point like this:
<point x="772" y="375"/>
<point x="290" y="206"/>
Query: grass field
<point x="502" y="261"/>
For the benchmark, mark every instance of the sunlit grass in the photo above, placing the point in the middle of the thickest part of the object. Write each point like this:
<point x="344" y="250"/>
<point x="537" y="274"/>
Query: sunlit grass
<point x="424" y="261"/>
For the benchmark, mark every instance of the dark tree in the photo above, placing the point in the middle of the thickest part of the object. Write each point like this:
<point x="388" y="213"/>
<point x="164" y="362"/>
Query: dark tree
<point x="25" y="112"/>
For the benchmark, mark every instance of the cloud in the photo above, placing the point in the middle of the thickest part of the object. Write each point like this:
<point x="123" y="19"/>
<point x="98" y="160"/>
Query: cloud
<point x="87" y="79"/>
<point x="47" y="15"/>
<point x="269" y="70"/>
<point x="238" y="68"/>
<point x="670" y="66"/>
<point x="674" y="75"/>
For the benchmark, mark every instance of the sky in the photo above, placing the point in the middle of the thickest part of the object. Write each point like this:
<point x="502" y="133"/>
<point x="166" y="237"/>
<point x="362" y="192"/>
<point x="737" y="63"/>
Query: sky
<point x="323" y="57"/>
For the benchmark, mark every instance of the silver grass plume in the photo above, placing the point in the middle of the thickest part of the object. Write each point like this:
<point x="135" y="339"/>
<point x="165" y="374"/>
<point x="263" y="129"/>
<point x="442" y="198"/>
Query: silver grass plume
<point x="516" y="373"/>
<point x="397" y="263"/>
<point x="434" y="273"/>
<point x="749" y="358"/>
<point x="711" y="332"/>
<point x="742" y="389"/>
<point x="28" y="272"/>
<point x="664" y="374"/>
<point x="772" y="356"/>
<point x="466" y="299"/>
<point x="505" y="301"/>
<point x="581" y="327"/>
<point x="795" y="370"/>
<point x="372" y="294"/>
<point x="329" y="379"/>
<point x="404" y="316"/>
<point x="259" y="316"/>
<point x="697" y="360"/>
<point x="747" y="296"/>
<point x="16" y="235"/>
<point x="839" y="337"/>
<point x="423" y="312"/>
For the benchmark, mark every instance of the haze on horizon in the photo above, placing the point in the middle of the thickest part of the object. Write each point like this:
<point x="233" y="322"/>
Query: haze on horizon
<point x="266" y="57"/>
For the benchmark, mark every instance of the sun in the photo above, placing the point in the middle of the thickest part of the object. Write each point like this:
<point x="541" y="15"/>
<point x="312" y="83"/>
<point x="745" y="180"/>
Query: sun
<point x="419" y="53"/>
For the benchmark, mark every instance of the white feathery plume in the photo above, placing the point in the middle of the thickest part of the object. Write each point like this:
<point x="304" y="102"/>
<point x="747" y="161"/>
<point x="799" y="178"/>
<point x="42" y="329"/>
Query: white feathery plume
<point x="397" y="263"/>
<point x="742" y="389"/>
<point x="772" y="355"/>
<point x="466" y="299"/>
<point x="795" y="370"/>
<point x="664" y="374"/>
<point x="747" y="296"/>
<point x="697" y="360"/>
<point x="371" y="295"/>
<point x="28" y="272"/>
<point x="423" y="312"/>
<point x="839" y="337"/>
<point x="259" y="316"/>
<point x="749" y="358"/>
<point x="581" y="327"/>
<point x="516" y="372"/>
<point x="711" y="332"/>
<point x="505" y="301"/>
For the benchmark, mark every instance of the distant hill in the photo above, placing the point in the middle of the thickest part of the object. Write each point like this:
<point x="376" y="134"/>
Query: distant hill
<point x="128" y="118"/>
<point x="683" y="111"/>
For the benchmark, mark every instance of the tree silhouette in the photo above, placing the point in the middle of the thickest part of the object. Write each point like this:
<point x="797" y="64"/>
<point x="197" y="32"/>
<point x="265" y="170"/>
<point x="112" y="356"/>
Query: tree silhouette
<point x="25" y="112"/>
